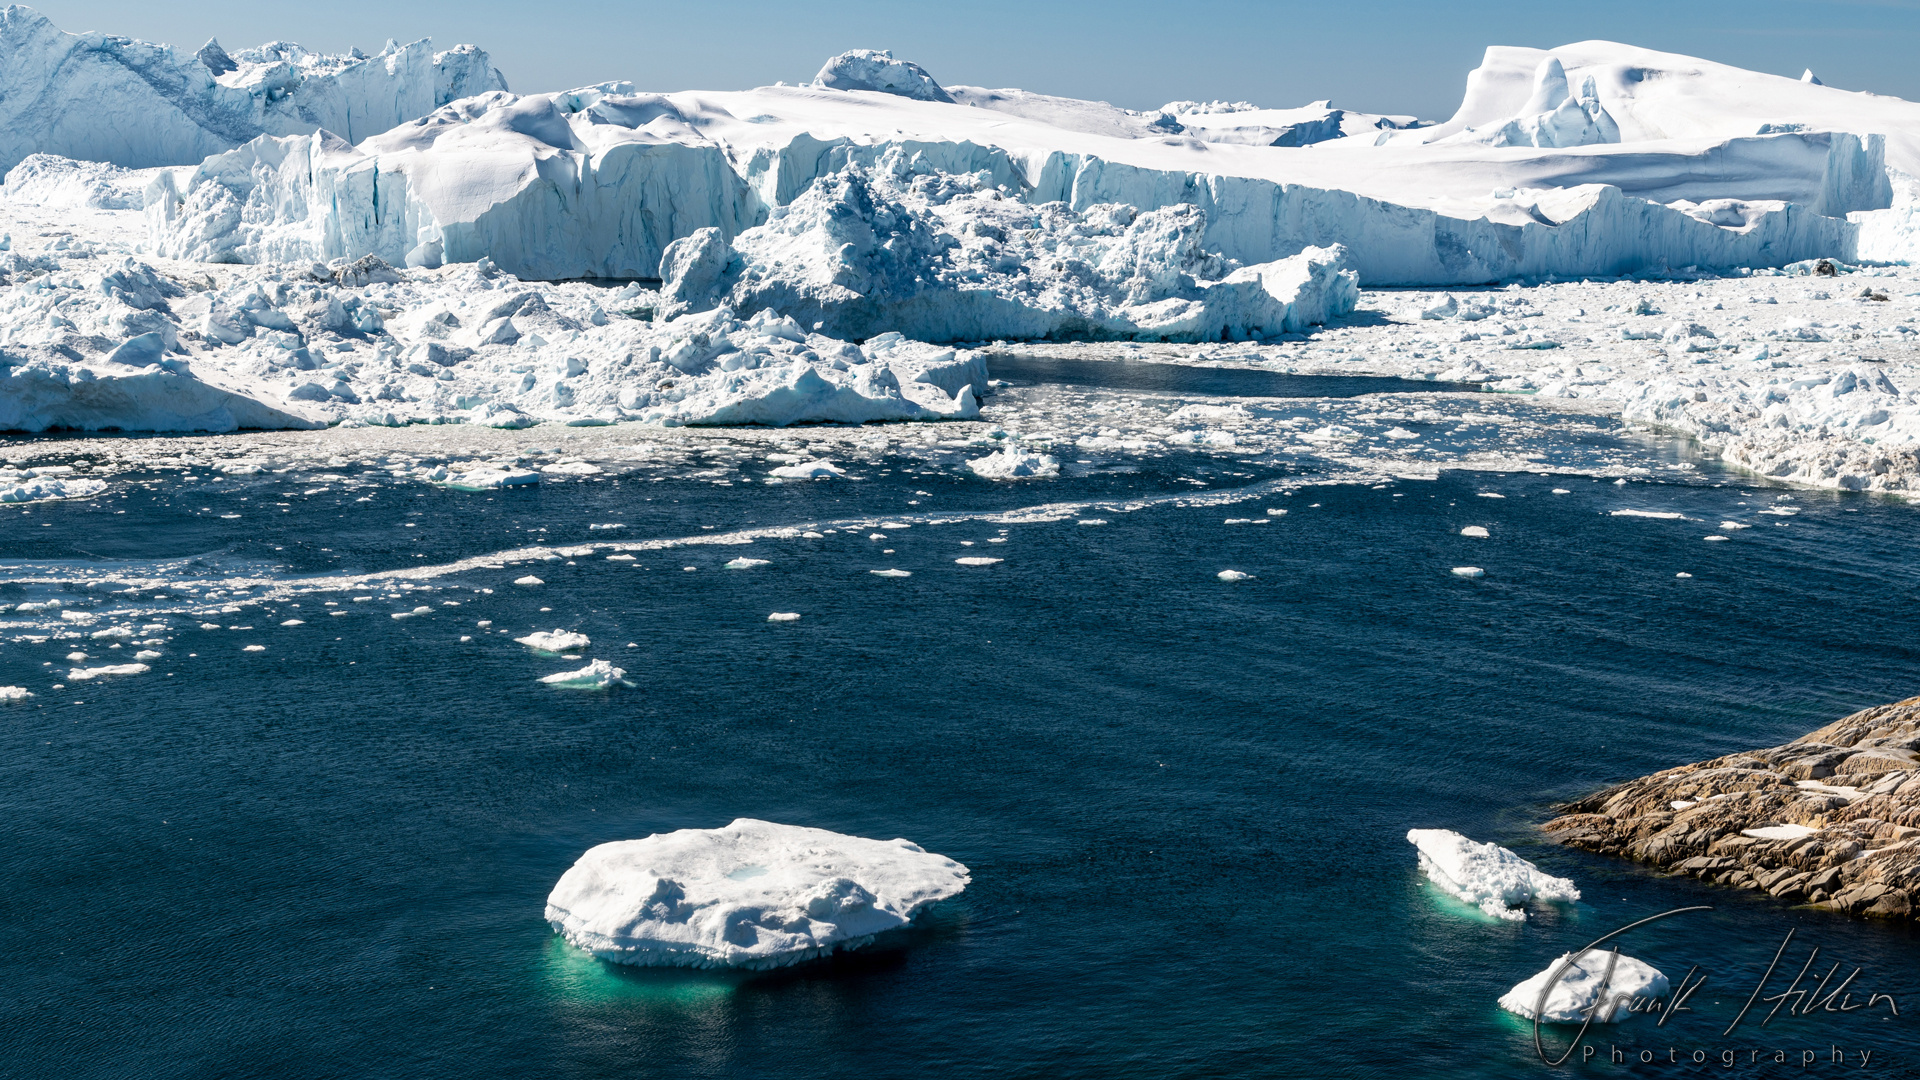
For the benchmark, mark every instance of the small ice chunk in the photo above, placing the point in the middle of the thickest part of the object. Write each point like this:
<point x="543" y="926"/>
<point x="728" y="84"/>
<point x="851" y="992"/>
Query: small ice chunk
<point x="808" y="470"/>
<point x="14" y="693"/>
<point x="597" y="675"/>
<point x="877" y="536"/>
<point x="745" y="563"/>
<point x="1561" y="491"/>
<point x="76" y="657"/>
<point x="1093" y="521"/>
<point x="1400" y="433"/>
<point x="612" y="525"/>
<point x="1232" y="575"/>
<point x="146" y="654"/>
<point x="620" y="558"/>
<point x="977" y="560"/>
<point x="1584" y="983"/>
<point x="1732" y="526"/>
<point x="1473" y="530"/>
<point x="1469" y="571"/>
<point x="528" y="580"/>
<point x="891" y="573"/>
<point x="1713" y="539"/>
<point x="1013" y="464"/>
<point x="1682" y="573"/>
<point x="87" y="674"/>
<point x="754" y="894"/>
<point x="1486" y="875"/>
<point x="1664" y="515"/>
<point x="784" y="616"/>
<point x="1780" y="832"/>
<point x="209" y="626"/>
<point x="253" y="648"/>
<point x="1272" y="513"/>
<point x="294" y="622"/>
<point x="558" y="641"/>
<point x="1491" y="495"/>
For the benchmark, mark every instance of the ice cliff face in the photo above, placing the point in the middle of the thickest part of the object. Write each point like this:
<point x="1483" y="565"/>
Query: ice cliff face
<point x="138" y="104"/>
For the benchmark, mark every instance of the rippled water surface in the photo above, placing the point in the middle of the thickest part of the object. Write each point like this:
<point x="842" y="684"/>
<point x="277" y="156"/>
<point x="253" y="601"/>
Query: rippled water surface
<point x="1183" y="801"/>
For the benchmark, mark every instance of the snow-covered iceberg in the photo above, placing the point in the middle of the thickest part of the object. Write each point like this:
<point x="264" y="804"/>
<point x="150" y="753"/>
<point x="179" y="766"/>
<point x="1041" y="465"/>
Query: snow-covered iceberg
<point x="1581" y="986"/>
<point x="557" y="641"/>
<point x="139" y="104"/>
<point x="1488" y="876"/>
<point x="751" y="895"/>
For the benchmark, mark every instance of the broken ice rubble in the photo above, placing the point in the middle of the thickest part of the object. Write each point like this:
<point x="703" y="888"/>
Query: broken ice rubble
<point x="1488" y="876"/>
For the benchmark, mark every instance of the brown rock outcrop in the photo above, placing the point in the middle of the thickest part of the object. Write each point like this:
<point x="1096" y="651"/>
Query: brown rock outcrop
<point x="1831" y="818"/>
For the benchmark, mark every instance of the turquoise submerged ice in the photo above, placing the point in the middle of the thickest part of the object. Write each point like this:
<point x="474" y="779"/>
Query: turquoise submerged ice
<point x="1486" y="875"/>
<point x="754" y="894"/>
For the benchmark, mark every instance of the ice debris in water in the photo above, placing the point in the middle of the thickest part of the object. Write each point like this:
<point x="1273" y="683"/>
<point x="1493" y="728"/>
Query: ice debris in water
<point x="744" y="563"/>
<point x="1734" y="525"/>
<point x="1474" y="530"/>
<point x="1469" y="571"/>
<point x="556" y="641"/>
<point x="88" y="674"/>
<point x="977" y="560"/>
<point x="754" y="894"/>
<point x="1233" y="575"/>
<point x="784" y="616"/>
<point x="14" y="693"/>
<point x="808" y="470"/>
<point x="1013" y="464"/>
<point x="1486" y="875"/>
<point x="1583" y="983"/>
<point x="40" y="488"/>
<point x="891" y="573"/>
<point x="528" y="580"/>
<point x="1664" y="515"/>
<point x="253" y="648"/>
<point x="597" y="675"/>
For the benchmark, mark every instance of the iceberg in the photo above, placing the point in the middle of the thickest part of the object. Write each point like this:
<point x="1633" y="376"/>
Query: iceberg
<point x="1488" y="876"/>
<point x="557" y="641"/>
<point x="1584" y="983"/>
<point x="753" y="894"/>
<point x="597" y="675"/>
<point x="138" y="104"/>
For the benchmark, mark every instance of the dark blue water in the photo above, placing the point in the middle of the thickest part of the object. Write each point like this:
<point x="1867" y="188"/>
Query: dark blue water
<point x="1183" y="802"/>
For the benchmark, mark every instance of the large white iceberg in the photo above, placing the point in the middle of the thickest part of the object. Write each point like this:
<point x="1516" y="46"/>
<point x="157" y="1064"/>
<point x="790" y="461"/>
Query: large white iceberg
<point x="140" y="104"/>
<point x="1488" y="876"/>
<point x="1584" y="983"/>
<point x="752" y="895"/>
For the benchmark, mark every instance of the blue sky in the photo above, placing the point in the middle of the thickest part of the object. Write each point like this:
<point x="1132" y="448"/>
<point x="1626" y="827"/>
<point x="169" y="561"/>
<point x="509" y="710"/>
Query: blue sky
<point x="1373" y="55"/>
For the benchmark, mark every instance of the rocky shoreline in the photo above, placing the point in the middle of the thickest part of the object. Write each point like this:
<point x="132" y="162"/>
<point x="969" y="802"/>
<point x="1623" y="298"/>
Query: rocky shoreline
<point x="1831" y="818"/>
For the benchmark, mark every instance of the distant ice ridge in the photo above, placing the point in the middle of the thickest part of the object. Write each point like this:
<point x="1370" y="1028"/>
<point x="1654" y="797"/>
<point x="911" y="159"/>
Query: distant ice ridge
<point x="50" y="180"/>
<point x="1586" y="986"/>
<point x="1486" y="875"/>
<point x="139" y="104"/>
<point x="751" y="895"/>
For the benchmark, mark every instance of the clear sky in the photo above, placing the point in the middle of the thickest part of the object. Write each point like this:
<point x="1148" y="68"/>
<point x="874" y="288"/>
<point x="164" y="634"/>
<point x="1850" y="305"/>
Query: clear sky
<point x="1399" y="56"/>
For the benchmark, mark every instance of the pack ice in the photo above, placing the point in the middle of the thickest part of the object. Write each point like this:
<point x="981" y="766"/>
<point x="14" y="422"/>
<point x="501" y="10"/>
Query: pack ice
<point x="754" y="894"/>
<point x="1488" y="876"/>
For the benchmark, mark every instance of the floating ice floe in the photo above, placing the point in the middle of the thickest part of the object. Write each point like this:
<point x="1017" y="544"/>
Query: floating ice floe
<point x="14" y="693"/>
<point x="1233" y="575"/>
<point x="529" y="579"/>
<point x="977" y="560"/>
<point x="253" y="648"/>
<point x="1584" y="983"/>
<point x="1664" y="515"/>
<point x="751" y="895"/>
<point x="555" y="641"/>
<point x="744" y="563"/>
<point x="1711" y="539"/>
<point x="1733" y="526"/>
<point x="784" y="616"/>
<point x="597" y="675"/>
<point x="294" y="622"/>
<point x="1683" y="574"/>
<point x="88" y="674"/>
<point x="41" y="488"/>
<point x="1013" y="464"/>
<point x="484" y="479"/>
<point x="1474" y="530"/>
<point x="1469" y="571"/>
<point x="891" y="573"/>
<point x="1486" y="875"/>
<point x="810" y="470"/>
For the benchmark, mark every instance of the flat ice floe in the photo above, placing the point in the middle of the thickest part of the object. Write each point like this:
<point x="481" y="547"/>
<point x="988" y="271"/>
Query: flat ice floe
<point x="554" y="641"/>
<point x="1014" y="464"/>
<point x="1488" y="876"/>
<point x="1584" y="983"/>
<point x="14" y="693"/>
<point x="597" y="675"/>
<point x="89" y="674"/>
<point x="754" y="894"/>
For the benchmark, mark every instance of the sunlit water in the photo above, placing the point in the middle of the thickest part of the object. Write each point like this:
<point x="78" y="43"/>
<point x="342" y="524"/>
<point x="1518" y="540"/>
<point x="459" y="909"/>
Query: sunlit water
<point x="1183" y="801"/>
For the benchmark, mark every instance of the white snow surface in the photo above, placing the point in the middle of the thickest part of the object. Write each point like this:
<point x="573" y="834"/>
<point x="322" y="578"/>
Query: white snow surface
<point x="1488" y="876"/>
<point x="753" y="894"/>
<point x="140" y="104"/>
<point x="1582" y="985"/>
